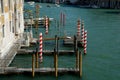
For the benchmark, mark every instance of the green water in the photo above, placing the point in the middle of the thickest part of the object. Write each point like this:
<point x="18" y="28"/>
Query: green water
<point x="103" y="51"/>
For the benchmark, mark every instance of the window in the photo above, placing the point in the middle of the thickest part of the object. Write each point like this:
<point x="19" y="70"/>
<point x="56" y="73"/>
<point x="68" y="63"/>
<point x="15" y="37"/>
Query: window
<point x="3" y="31"/>
<point x="9" y="3"/>
<point x="13" y="29"/>
<point x="13" y="23"/>
<point x="19" y="19"/>
<point x="10" y="26"/>
<point x="2" y="7"/>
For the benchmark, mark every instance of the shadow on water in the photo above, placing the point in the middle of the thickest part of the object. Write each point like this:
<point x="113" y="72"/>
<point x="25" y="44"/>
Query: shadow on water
<point x="40" y="76"/>
<point x="112" y="12"/>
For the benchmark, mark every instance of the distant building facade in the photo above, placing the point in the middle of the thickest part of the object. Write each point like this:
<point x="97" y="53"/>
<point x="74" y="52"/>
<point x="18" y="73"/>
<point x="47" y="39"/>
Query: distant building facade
<point x="106" y="3"/>
<point x="100" y="3"/>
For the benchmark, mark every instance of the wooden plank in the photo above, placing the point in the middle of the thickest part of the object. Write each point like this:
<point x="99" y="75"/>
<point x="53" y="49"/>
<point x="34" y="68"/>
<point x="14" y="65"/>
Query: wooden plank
<point x="45" y="52"/>
<point x="70" y="41"/>
<point x="11" y="70"/>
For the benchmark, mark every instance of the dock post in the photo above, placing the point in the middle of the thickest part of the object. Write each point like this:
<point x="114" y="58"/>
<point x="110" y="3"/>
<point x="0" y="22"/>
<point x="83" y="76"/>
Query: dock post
<point x="75" y="43"/>
<point x="80" y="64"/>
<point x="56" y="56"/>
<point x="77" y="59"/>
<point x="48" y="22"/>
<point x="79" y="28"/>
<point x="56" y="65"/>
<point x="36" y="66"/>
<point x="33" y="64"/>
<point x="76" y="52"/>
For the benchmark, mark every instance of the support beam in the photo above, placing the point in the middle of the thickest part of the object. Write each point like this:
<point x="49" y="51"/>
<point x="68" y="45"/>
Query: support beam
<point x="56" y="56"/>
<point x="33" y="64"/>
<point x="75" y="43"/>
<point x="80" y="64"/>
<point x="36" y="64"/>
<point x="77" y="59"/>
<point x="56" y="65"/>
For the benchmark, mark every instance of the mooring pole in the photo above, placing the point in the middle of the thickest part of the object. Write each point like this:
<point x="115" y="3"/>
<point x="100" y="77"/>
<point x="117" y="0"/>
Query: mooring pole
<point x="75" y="44"/>
<point x="33" y="64"/>
<point x="56" y="65"/>
<point x="77" y="59"/>
<point x="80" y="64"/>
<point x="56" y="56"/>
<point x="36" y="66"/>
<point x="76" y="52"/>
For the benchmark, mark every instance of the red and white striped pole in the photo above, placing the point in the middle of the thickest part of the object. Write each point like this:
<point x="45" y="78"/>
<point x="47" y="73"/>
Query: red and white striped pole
<point x="78" y="28"/>
<point x="46" y="25"/>
<point x="85" y="42"/>
<point x="40" y="47"/>
<point x="82" y="31"/>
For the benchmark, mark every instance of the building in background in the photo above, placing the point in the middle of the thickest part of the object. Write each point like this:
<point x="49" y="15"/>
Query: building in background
<point x="99" y="3"/>
<point x="11" y="24"/>
<point x="106" y="3"/>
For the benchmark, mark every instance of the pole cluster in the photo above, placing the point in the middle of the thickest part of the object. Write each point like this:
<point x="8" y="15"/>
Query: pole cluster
<point x="82" y="33"/>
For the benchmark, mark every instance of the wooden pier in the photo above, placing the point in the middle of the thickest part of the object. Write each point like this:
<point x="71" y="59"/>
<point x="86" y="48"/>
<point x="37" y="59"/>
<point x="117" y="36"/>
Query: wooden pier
<point x="10" y="70"/>
<point x="70" y="41"/>
<point x="38" y="69"/>
<point x="41" y="21"/>
<point x="46" y="52"/>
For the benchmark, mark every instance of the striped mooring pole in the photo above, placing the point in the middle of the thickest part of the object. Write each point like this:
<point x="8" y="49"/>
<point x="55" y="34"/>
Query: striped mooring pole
<point x="40" y="48"/>
<point x="82" y="31"/>
<point x="85" y="42"/>
<point x="84" y="38"/>
<point x="78" y="28"/>
<point x="46" y="24"/>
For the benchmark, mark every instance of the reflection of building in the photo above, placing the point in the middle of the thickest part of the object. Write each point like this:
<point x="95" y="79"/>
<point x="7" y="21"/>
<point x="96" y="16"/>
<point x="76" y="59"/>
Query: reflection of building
<point x="11" y="24"/>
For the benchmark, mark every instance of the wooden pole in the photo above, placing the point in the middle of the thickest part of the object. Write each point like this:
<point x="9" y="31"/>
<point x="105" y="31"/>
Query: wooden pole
<point x="77" y="59"/>
<point x="36" y="66"/>
<point x="56" y="56"/>
<point x="33" y="65"/>
<point x="80" y="64"/>
<point x="75" y="43"/>
<point x="37" y="7"/>
<point x="56" y="65"/>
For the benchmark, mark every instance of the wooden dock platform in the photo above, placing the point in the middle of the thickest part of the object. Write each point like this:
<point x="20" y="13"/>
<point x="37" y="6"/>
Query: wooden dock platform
<point x="10" y="70"/>
<point x="70" y="41"/>
<point x="46" y="52"/>
<point x="41" y="21"/>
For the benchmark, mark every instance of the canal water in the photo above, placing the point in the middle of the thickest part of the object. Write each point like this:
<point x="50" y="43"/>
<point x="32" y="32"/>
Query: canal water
<point x="102" y="61"/>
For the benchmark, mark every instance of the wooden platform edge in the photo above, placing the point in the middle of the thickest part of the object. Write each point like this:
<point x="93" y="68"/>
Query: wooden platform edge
<point x="14" y="70"/>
